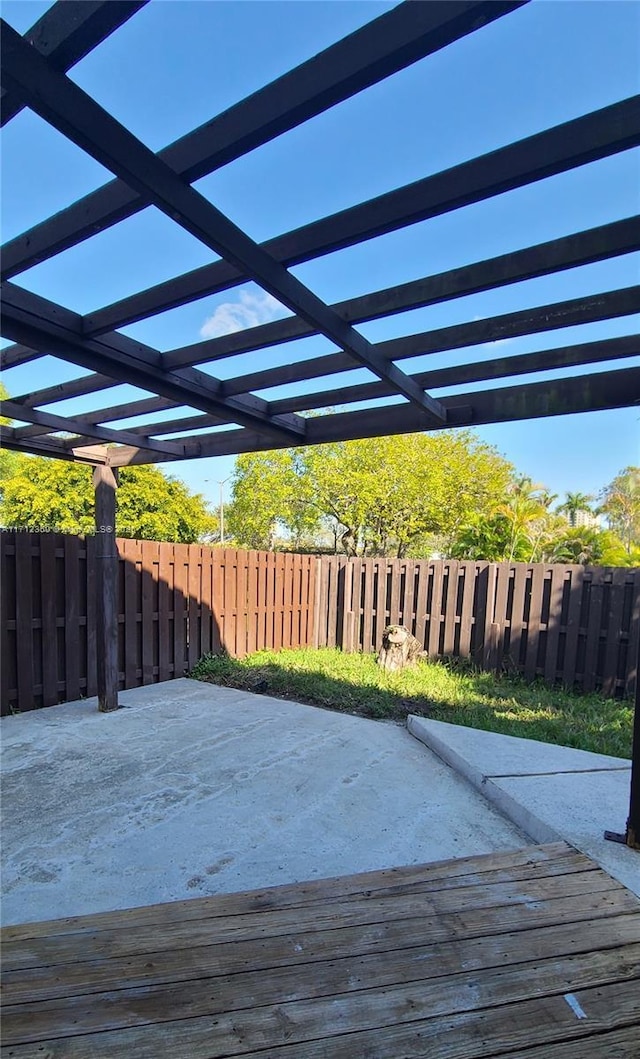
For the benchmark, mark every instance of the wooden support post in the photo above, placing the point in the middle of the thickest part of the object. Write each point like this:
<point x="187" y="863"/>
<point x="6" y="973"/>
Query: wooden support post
<point x="633" y="823"/>
<point x="631" y="836"/>
<point x="105" y="484"/>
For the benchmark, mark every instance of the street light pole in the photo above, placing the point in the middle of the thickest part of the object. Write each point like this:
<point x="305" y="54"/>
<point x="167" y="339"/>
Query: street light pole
<point x="221" y="484"/>
<point x="221" y="514"/>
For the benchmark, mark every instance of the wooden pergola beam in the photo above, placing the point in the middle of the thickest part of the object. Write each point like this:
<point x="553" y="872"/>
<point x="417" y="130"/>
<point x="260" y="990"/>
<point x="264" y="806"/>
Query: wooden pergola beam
<point x="51" y="447"/>
<point x="543" y="318"/>
<point x="28" y="318"/>
<point x="13" y="356"/>
<point x="511" y="325"/>
<point x="543" y="259"/>
<point x="585" y="393"/>
<point x="559" y="149"/>
<point x="68" y="31"/>
<point x="77" y="116"/>
<point x="87" y="434"/>
<point x="145" y="406"/>
<point x="382" y="47"/>
<point x="62" y="391"/>
<point x="581" y="248"/>
<point x="579" y="355"/>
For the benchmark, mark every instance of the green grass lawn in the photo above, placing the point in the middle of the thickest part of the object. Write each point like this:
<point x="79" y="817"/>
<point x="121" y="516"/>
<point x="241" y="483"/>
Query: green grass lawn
<point x="457" y="693"/>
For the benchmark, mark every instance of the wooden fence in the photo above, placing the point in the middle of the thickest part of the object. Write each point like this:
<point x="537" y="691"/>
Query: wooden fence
<point x="570" y="624"/>
<point x="176" y="603"/>
<point x="575" y="625"/>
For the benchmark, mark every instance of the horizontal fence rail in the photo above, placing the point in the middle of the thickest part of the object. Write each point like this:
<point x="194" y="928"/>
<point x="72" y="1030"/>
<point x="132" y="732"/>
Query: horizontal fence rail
<point x="571" y="625"/>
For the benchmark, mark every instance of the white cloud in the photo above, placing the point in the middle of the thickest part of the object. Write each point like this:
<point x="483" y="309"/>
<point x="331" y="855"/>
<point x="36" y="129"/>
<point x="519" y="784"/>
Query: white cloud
<point x="249" y="311"/>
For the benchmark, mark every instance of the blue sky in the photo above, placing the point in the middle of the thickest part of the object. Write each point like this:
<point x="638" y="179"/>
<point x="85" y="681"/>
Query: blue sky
<point x="177" y="64"/>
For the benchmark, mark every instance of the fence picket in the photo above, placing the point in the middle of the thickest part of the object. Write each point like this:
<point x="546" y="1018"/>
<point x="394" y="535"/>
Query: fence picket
<point x="466" y="614"/>
<point x="91" y="666"/>
<point x="165" y="582"/>
<point x="613" y="632"/>
<point x="554" y="619"/>
<point x="180" y="581"/>
<point x="381" y="601"/>
<point x="594" y="618"/>
<point x="516" y="622"/>
<point x="633" y="649"/>
<point x="23" y="620"/>
<point x="241" y="605"/>
<point x="504" y="581"/>
<point x="148" y="558"/>
<point x="435" y="607"/>
<point x="71" y="616"/>
<point x="394" y="605"/>
<point x="8" y="679"/>
<point x="571" y="643"/>
<point x="216" y="600"/>
<point x="490" y="638"/>
<point x="194" y="596"/>
<point x="533" y="624"/>
<point x="49" y="615"/>
<point x="451" y="605"/>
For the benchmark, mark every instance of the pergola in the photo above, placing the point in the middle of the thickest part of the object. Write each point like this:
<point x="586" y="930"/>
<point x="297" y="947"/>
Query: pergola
<point x="34" y="75"/>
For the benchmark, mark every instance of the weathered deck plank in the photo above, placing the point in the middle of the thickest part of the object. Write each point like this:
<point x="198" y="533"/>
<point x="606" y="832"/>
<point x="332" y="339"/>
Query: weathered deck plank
<point x="432" y="904"/>
<point x="531" y="862"/>
<point x="456" y="960"/>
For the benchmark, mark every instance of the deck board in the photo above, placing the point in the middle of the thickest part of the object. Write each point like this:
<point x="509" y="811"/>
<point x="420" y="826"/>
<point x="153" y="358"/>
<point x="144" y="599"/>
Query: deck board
<point x="465" y="958"/>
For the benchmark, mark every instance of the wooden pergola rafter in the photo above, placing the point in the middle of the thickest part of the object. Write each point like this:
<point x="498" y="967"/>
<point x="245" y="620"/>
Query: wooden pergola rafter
<point x="243" y="409"/>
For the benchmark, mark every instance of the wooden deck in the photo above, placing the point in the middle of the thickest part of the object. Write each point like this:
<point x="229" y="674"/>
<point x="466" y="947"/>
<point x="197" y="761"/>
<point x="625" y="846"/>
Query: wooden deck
<point x="533" y="954"/>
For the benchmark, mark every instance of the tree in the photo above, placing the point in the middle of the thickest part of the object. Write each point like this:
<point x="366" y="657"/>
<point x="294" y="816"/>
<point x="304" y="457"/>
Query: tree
<point x="8" y="459"/>
<point x="578" y="544"/>
<point x="620" y="502"/>
<point x="383" y="496"/>
<point x="268" y="495"/>
<point x="531" y="524"/>
<point x="485" y="538"/>
<point x="574" y="503"/>
<point x="48" y="494"/>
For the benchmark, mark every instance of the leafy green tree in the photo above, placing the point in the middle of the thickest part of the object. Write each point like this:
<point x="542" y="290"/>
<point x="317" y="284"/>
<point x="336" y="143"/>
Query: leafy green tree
<point x="382" y="496"/>
<point x="48" y="494"/>
<point x="269" y="497"/>
<point x="485" y="538"/>
<point x="8" y="459"/>
<point x="620" y="502"/>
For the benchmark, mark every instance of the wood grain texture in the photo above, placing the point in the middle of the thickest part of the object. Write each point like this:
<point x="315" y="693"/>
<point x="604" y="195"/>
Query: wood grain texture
<point x="458" y="959"/>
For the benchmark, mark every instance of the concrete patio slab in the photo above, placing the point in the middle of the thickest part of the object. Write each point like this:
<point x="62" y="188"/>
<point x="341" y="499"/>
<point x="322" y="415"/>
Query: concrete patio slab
<point x="551" y="792"/>
<point x="194" y="789"/>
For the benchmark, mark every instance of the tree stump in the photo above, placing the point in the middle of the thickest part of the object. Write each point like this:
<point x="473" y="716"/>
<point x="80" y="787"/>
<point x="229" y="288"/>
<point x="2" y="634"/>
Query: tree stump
<point x="399" y="649"/>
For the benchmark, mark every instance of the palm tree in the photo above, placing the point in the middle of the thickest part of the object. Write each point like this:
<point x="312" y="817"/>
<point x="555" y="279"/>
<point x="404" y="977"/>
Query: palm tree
<point x="574" y="503"/>
<point x="527" y="512"/>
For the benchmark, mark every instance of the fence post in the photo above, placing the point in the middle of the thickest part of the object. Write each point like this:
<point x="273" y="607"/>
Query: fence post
<point x="105" y="485"/>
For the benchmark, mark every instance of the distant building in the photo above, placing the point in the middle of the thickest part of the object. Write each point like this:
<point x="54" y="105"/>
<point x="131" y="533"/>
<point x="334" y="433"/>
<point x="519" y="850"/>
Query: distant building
<point x="585" y="518"/>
